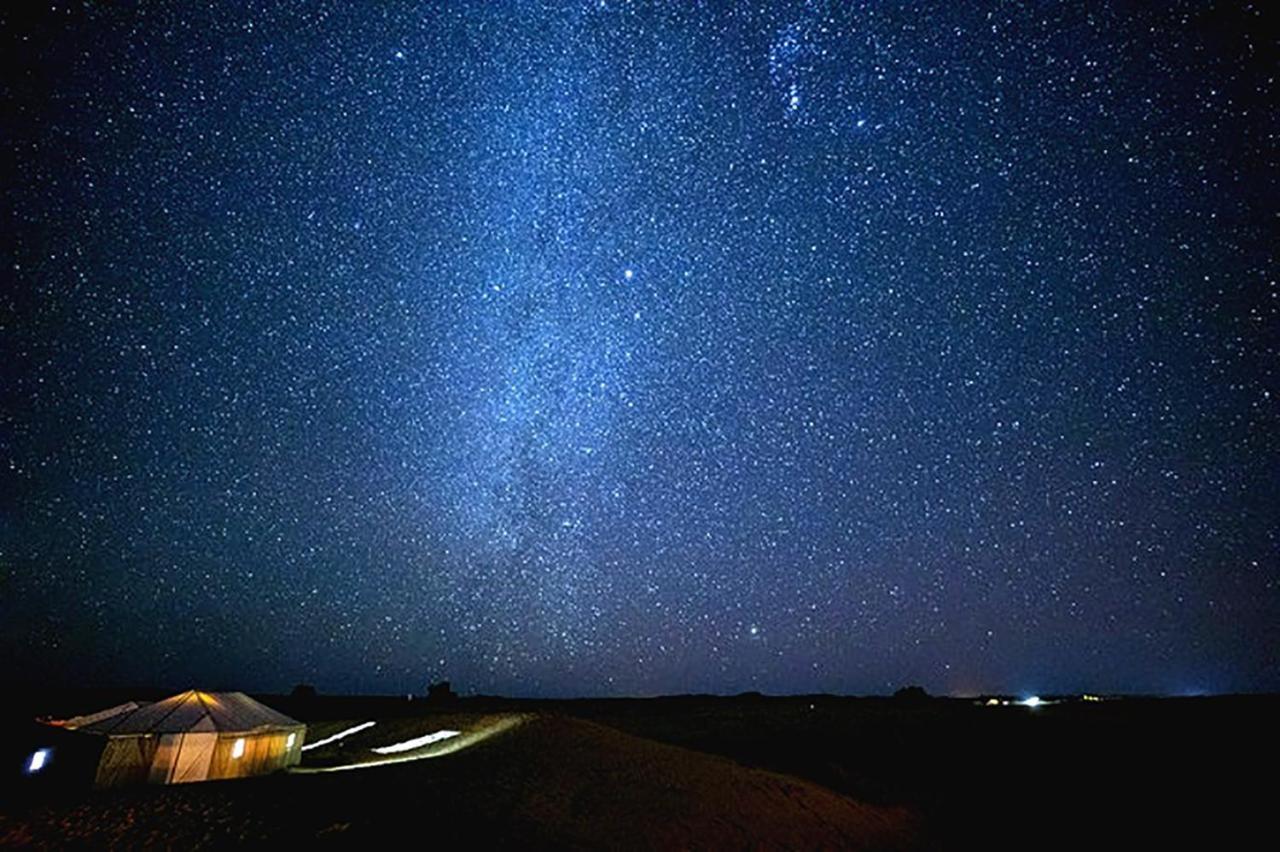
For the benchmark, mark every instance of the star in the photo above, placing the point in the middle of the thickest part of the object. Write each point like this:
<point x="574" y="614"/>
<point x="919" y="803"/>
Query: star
<point x="715" y="335"/>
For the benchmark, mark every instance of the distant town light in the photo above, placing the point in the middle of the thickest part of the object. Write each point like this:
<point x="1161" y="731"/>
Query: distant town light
<point x="39" y="759"/>
<point x="1033" y="701"/>
<point x="237" y="750"/>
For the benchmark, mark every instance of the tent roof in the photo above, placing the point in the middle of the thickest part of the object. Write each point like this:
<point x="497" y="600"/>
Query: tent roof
<point x="76" y="722"/>
<point x="193" y="711"/>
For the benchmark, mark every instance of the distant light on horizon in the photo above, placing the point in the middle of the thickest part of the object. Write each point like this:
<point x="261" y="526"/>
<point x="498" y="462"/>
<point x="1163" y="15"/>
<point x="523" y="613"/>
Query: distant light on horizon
<point x="1033" y="701"/>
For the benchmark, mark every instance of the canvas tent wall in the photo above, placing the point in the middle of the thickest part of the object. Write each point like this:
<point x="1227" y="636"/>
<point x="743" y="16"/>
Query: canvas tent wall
<point x="195" y="736"/>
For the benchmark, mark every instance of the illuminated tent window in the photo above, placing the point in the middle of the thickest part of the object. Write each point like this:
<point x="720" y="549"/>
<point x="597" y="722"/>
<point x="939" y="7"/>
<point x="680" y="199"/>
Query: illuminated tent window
<point x="237" y="750"/>
<point x="288" y="743"/>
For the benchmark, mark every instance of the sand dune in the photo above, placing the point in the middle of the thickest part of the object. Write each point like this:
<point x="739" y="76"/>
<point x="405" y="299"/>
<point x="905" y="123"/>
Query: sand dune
<point x="596" y="786"/>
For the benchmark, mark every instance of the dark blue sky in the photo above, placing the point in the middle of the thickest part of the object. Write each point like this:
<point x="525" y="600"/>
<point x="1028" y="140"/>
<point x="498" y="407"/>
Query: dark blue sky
<point x="617" y="348"/>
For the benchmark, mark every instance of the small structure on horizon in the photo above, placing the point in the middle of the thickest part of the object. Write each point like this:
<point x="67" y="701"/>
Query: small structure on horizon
<point x="441" y="692"/>
<point x="192" y="736"/>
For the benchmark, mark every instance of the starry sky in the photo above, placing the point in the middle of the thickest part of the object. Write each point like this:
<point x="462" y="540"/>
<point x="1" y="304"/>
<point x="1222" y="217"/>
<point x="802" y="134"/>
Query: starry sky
<point x="616" y="348"/>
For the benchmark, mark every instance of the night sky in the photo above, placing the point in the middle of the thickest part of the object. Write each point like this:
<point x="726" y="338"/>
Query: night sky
<point x="598" y="348"/>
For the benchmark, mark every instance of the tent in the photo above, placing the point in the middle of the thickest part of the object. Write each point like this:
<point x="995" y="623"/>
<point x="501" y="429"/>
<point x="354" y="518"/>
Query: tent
<point x="192" y="736"/>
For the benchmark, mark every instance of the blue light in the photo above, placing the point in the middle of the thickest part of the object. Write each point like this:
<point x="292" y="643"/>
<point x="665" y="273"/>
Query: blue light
<point x="39" y="760"/>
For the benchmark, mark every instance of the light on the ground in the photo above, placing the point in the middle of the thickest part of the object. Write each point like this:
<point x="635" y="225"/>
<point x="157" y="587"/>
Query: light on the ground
<point x="418" y="742"/>
<point x="455" y="744"/>
<point x="348" y="732"/>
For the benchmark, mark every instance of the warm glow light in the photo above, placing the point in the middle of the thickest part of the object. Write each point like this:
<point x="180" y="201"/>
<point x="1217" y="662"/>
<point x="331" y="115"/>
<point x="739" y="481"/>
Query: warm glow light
<point x="39" y="758"/>
<point x="409" y="745"/>
<point x="237" y="750"/>
<point x="288" y="743"/>
<point x="348" y="732"/>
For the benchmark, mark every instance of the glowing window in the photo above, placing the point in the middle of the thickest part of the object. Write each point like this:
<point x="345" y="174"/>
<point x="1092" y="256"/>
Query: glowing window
<point x="39" y="758"/>
<point x="237" y="750"/>
<point x="288" y="743"/>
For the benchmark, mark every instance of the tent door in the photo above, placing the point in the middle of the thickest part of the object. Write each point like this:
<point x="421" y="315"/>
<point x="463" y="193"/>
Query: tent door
<point x="162" y="762"/>
<point x="195" y="755"/>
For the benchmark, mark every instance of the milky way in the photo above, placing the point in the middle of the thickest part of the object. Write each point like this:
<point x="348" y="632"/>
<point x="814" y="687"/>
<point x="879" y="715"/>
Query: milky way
<point x="616" y="348"/>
